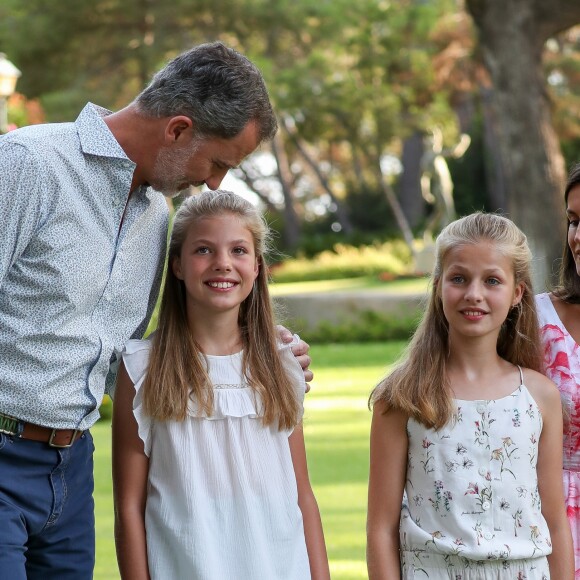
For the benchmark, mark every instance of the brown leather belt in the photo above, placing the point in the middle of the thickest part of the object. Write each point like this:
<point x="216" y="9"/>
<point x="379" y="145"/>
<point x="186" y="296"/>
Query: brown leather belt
<point x="60" y="438"/>
<point x="54" y="437"/>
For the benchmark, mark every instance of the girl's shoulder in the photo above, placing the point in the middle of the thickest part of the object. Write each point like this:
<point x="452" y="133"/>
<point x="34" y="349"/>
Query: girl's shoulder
<point x="136" y="358"/>
<point x="542" y="389"/>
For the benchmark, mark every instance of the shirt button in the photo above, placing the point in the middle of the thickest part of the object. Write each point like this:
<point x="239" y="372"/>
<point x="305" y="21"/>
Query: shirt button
<point x="482" y="471"/>
<point x="481" y="407"/>
<point x="485" y="505"/>
<point x="488" y="535"/>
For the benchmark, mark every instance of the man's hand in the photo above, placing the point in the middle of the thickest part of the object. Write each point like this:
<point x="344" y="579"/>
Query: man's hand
<point x="300" y="351"/>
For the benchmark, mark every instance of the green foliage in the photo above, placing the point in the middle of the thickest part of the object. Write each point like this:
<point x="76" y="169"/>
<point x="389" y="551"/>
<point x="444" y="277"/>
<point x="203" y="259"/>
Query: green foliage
<point x="370" y="326"/>
<point x="362" y="197"/>
<point x="392" y="258"/>
<point x="106" y="409"/>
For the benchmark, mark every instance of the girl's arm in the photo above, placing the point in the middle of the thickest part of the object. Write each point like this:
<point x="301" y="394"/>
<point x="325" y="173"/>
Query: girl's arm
<point x="130" y="468"/>
<point x="549" y="470"/>
<point x="388" y="471"/>
<point x="310" y="515"/>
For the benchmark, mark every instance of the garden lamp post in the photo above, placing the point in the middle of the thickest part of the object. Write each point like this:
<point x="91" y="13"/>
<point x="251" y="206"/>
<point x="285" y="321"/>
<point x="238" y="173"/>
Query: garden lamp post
<point x="8" y="76"/>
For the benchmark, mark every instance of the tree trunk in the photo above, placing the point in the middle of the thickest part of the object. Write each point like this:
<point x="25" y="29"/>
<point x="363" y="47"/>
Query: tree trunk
<point x="512" y="37"/>
<point x="494" y="168"/>
<point x="409" y="185"/>
<point x="291" y="231"/>
<point x="341" y="213"/>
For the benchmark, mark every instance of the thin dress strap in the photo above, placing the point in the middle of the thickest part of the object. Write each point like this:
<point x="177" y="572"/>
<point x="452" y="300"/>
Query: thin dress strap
<point x="521" y="376"/>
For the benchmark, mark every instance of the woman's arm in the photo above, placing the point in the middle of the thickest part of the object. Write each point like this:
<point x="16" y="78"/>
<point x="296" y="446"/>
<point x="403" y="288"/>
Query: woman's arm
<point x="388" y="471"/>
<point x="549" y="469"/>
<point x="310" y="515"/>
<point x="130" y="468"/>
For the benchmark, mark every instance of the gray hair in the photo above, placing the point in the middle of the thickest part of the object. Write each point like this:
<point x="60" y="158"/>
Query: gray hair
<point x="219" y="89"/>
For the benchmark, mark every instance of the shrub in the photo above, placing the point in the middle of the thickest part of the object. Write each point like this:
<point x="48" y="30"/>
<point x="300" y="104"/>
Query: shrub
<point x="393" y="258"/>
<point x="370" y="326"/>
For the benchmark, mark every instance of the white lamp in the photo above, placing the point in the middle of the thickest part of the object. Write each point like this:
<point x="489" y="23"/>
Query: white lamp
<point x="8" y="76"/>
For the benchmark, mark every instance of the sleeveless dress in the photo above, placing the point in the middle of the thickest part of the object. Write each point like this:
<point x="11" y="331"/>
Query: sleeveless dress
<point x="222" y="499"/>
<point x="562" y="365"/>
<point x="472" y="508"/>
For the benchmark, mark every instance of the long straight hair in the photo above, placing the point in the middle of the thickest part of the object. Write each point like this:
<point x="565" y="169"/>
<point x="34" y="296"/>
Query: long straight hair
<point x="178" y="371"/>
<point x="419" y="385"/>
<point x="568" y="288"/>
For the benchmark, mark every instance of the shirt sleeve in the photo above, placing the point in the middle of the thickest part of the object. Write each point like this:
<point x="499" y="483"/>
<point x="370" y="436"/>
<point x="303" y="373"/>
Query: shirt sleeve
<point x="154" y="294"/>
<point x="20" y="201"/>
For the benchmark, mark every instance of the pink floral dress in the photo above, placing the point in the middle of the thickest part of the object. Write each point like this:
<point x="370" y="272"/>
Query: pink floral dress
<point x="562" y="365"/>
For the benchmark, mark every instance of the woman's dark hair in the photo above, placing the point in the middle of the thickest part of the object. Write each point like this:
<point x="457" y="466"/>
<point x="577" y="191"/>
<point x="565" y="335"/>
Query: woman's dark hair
<point x="568" y="288"/>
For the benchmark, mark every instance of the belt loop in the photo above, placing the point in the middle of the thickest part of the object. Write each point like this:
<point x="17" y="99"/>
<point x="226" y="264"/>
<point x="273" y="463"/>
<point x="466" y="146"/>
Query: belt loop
<point x="10" y="425"/>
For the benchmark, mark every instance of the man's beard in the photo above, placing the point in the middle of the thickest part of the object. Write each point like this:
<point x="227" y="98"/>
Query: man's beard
<point x="169" y="169"/>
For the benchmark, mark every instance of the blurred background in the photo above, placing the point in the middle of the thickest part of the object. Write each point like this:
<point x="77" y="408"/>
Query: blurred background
<point x="478" y="97"/>
<point x="395" y="117"/>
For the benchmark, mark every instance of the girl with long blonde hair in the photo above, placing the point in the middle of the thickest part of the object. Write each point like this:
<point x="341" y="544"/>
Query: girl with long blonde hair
<point x="209" y="464"/>
<point x="467" y="429"/>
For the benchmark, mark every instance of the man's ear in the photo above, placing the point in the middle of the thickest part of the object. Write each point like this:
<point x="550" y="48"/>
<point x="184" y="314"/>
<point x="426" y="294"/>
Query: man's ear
<point x="178" y="129"/>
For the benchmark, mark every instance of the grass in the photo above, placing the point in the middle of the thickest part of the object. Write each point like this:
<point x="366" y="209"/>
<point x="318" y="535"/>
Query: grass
<point x="402" y="285"/>
<point x="336" y="425"/>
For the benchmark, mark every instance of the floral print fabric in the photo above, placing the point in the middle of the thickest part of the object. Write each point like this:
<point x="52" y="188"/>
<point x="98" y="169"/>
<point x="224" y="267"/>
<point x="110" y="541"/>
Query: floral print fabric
<point x="562" y="365"/>
<point x="472" y="494"/>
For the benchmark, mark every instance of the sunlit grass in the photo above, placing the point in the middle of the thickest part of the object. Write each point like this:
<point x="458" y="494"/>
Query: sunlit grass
<point x="336" y="426"/>
<point x="403" y="285"/>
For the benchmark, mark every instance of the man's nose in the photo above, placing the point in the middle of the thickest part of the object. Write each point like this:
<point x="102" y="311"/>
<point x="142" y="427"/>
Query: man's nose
<point x="215" y="179"/>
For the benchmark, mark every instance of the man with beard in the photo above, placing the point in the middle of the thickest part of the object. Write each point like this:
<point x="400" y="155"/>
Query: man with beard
<point x="81" y="259"/>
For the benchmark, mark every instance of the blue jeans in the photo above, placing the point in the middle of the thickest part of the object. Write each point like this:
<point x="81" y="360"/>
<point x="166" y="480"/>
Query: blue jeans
<point x="47" y="522"/>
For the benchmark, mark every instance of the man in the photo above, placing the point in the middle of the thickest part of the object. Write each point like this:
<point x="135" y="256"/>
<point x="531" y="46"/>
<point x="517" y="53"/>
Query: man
<point x="81" y="257"/>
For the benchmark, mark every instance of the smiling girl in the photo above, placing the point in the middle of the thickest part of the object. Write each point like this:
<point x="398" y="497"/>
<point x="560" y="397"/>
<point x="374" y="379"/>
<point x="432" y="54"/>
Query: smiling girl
<point x="209" y="464"/>
<point x="467" y="429"/>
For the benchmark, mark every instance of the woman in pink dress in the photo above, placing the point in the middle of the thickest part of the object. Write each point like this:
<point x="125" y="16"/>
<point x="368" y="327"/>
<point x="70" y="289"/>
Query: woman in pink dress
<point x="559" y="314"/>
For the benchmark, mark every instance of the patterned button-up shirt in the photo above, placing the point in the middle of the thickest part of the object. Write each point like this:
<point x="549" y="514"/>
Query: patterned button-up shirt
<point x="80" y="267"/>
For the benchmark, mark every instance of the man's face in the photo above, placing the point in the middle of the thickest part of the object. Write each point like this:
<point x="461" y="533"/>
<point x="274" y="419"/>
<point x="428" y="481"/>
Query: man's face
<point x="201" y="161"/>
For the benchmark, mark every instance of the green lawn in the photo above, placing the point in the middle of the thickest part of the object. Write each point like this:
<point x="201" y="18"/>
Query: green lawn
<point x="336" y="427"/>
<point x="400" y="286"/>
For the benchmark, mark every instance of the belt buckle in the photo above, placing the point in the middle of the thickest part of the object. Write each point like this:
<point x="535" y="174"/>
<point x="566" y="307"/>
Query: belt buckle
<point x="8" y="424"/>
<point x="69" y="444"/>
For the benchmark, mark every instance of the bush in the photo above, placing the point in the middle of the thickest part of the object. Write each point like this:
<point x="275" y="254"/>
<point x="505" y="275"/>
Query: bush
<point x="392" y="258"/>
<point x="370" y="326"/>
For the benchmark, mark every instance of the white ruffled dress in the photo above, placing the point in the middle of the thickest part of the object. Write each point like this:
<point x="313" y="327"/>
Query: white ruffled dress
<point x="222" y="501"/>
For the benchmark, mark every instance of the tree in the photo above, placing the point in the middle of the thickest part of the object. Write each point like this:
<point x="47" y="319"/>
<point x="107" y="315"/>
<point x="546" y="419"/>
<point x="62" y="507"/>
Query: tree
<point x="512" y="36"/>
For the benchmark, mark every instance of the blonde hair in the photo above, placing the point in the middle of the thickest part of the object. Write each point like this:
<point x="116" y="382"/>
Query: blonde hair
<point x="178" y="370"/>
<point x="418" y="385"/>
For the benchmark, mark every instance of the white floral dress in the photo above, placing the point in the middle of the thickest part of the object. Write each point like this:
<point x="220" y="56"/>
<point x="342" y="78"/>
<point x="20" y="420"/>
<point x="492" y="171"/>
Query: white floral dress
<point x="472" y="508"/>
